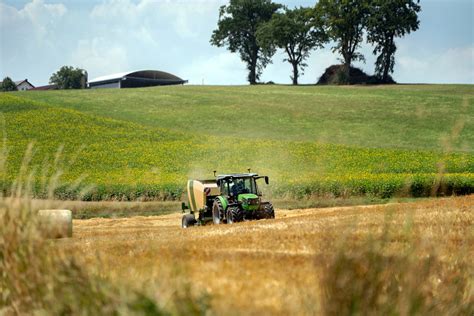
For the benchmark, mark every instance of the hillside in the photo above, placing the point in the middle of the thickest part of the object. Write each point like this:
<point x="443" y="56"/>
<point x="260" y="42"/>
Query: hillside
<point x="410" y="117"/>
<point x="325" y="141"/>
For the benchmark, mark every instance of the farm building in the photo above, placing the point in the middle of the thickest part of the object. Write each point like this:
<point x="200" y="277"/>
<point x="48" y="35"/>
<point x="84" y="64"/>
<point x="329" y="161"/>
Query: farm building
<point x="136" y="79"/>
<point x="23" y="85"/>
<point x="47" y="87"/>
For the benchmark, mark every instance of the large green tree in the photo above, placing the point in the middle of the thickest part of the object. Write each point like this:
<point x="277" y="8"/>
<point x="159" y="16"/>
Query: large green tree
<point x="237" y="27"/>
<point x="296" y="31"/>
<point x="345" y="21"/>
<point x="68" y="77"/>
<point x="388" y="20"/>
<point x="8" y="85"/>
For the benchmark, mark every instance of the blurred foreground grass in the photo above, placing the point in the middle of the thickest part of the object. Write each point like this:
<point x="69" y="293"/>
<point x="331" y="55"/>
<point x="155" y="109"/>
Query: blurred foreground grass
<point x="408" y="258"/>
<point x="39" y="277"/>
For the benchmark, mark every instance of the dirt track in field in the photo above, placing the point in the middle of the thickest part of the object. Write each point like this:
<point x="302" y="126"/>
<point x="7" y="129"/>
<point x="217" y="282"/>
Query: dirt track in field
<point x="258" y="267"/>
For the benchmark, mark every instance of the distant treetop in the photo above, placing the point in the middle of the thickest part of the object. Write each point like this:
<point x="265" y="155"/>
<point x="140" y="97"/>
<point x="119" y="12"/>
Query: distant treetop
<point x="68" y="77"/>
<point x="237" y="29"/>
<point x="8" y="85"/>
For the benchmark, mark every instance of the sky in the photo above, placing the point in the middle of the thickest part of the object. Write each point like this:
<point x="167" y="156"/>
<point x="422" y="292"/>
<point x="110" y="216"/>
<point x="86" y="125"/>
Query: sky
<point x="37" y="37"/>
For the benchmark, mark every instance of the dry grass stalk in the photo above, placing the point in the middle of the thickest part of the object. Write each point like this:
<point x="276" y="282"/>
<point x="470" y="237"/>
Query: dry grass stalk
<point x="38" y="277"/>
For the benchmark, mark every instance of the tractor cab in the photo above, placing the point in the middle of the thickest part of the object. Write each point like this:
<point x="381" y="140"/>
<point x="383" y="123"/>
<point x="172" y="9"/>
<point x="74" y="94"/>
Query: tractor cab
<point x="234" y="185"/>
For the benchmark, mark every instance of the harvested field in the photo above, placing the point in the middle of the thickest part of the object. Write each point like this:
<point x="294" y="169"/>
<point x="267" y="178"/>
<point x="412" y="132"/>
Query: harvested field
<point x="280" y="266"/>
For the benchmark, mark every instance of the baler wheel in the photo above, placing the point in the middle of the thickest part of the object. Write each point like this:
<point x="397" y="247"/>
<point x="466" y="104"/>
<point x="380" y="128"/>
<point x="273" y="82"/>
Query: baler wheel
<point x="188" y="220"/>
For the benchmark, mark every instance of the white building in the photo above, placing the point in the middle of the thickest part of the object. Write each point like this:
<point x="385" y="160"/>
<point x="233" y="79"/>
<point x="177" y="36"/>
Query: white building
<point x="24" y="85"/>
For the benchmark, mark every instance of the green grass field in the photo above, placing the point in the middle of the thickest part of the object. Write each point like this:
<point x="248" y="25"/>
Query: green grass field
<point x="379" y="141"/>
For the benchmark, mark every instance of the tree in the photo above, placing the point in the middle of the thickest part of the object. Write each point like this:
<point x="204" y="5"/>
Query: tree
<point x="345" y="21"/>
<point x="68" y="78"/>
<point x="8" y="85"/>
<point x="388" y="20"/>
<point x="237" y="28"/>
<point x="297" y="32"/>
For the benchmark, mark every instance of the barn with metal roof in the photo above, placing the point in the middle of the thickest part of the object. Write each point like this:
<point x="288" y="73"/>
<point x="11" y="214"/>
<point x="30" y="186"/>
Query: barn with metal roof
<point x="136" y="79"/>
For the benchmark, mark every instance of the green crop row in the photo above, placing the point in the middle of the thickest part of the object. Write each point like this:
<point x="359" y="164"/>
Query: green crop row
<point x="382" y="186"/>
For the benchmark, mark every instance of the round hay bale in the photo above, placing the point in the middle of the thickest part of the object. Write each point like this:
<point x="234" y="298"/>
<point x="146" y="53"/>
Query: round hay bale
<point x="55" y="223"/>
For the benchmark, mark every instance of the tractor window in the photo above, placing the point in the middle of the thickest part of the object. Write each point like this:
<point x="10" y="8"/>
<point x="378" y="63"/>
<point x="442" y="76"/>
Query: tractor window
<point x="244" y="185"/>
<point x="224" y="188"/>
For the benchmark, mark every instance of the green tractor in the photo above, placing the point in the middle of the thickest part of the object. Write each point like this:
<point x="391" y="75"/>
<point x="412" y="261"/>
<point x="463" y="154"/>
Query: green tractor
<point x="227" y="199"/>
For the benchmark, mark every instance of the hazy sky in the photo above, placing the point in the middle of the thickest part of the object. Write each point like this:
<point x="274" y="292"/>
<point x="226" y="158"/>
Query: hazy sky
<point x="104" y="37"/>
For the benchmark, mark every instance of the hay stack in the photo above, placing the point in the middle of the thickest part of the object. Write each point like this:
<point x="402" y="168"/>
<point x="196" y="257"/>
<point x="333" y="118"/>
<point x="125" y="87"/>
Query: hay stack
<point x="55" y="223"/>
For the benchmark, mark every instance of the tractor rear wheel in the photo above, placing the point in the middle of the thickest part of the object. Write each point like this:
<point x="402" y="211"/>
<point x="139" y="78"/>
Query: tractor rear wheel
<point x="234" y="215"/>
<point x="188" y="220"/>
<point x="268" y="211"/>
<point x="217" y="212"/>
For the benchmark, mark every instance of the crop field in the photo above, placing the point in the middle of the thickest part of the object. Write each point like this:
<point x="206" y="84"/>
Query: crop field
<point x="288" y="265"/>
<point x="332" y="142"/>
<point x="129" y="152"/>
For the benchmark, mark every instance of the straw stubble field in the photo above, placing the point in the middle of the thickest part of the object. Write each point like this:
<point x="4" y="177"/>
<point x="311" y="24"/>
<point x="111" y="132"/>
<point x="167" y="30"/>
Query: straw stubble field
<point x="291" y="264"/>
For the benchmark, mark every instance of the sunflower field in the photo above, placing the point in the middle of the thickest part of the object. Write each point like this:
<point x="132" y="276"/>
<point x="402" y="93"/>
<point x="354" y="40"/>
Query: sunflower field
<point x="145" y="143"/>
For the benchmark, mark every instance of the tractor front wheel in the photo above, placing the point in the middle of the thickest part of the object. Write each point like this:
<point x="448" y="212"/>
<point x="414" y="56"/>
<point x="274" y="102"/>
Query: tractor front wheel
<point x="188" y="220"/>
<point x="217" y="212"/>
<point x="234" y="215"/>
<point x="268" y="211"/>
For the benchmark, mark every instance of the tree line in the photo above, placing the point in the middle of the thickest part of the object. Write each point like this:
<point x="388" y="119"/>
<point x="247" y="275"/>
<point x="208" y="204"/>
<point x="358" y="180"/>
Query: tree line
<point x="67" y="77"/>
<point x="257" y="28"/>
